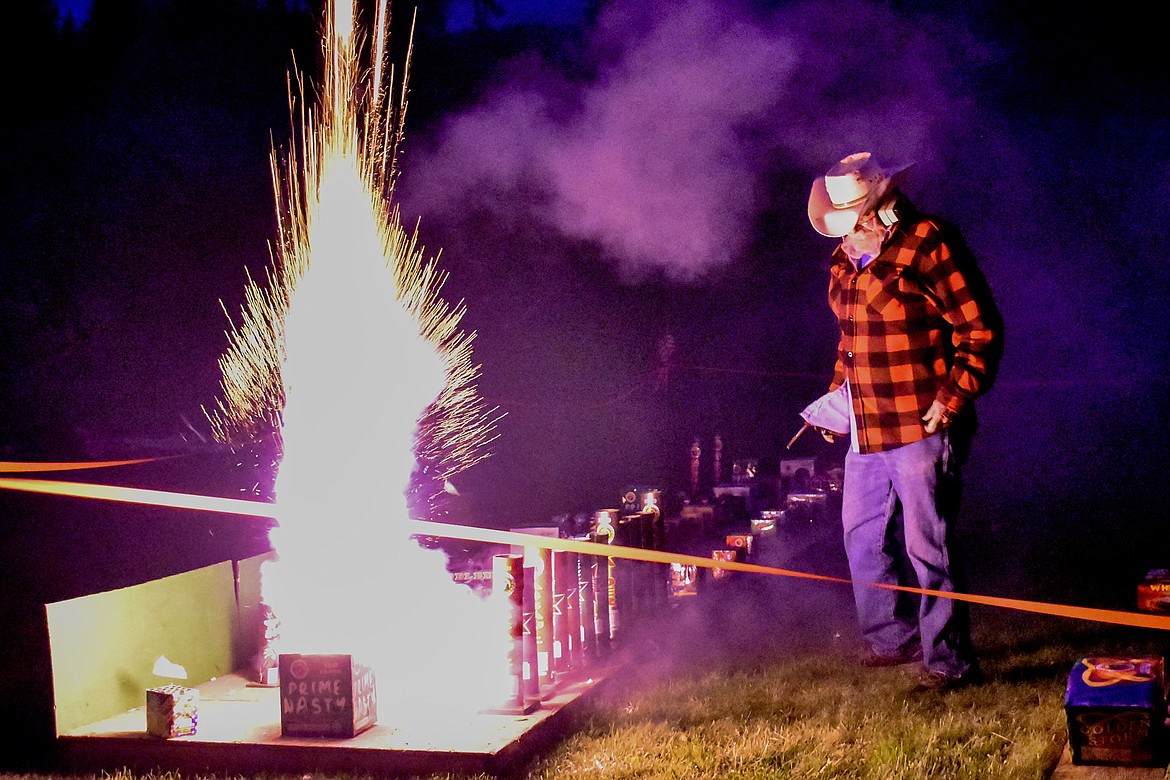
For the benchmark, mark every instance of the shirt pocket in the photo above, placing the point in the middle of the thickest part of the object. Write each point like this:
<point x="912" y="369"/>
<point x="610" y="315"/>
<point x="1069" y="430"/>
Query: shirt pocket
<point x="837" y="284"/>
<point x="889" y="293"/>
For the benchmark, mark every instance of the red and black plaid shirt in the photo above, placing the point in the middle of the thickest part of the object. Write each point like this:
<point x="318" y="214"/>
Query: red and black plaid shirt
<point x="917" y="324"/>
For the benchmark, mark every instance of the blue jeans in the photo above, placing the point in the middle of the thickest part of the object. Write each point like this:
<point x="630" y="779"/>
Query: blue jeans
<point x="897" y="507"/>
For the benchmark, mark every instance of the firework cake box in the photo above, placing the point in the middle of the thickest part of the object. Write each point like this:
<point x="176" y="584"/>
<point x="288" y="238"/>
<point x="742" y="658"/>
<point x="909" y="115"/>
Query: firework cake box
<point x="742" y="543"/>
<point x="172" y="711"/>
<point x="1153" y="594"/>
<point x="325" y="696"/>
<point x="1116" y="708"/>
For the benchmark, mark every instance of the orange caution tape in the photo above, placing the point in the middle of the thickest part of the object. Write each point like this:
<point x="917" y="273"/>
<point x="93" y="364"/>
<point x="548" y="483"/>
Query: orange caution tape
<point x="237" y="506"/>
<point x="1136" y="619"/>
<point x="231" y="506"/>
<point x="24" y="467"/>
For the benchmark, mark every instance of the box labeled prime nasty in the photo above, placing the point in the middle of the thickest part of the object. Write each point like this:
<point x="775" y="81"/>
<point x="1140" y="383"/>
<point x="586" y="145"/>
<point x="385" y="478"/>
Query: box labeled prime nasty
<point x="325" y="696"/>
<point x="1153" y="595"/>
<point x="172" y="711"/>
<point x="1116" y="709"/>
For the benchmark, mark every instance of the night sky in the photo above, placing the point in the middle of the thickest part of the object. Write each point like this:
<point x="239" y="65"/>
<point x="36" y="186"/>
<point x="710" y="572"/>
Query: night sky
<point x="598" y="180"/>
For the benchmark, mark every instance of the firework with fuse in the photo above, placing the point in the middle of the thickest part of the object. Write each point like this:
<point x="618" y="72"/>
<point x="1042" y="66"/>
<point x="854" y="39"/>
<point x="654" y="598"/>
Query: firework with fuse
<point x="351" y="361"/>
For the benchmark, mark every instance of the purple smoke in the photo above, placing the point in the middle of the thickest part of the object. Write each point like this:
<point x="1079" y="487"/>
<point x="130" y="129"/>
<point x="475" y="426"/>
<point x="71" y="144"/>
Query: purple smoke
<point x="681" y="143"/>
<point x="662" y="156"/>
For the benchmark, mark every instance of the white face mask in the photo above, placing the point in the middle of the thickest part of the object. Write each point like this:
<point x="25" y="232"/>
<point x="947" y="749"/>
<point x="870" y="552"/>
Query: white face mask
<point x="864" y="242"/>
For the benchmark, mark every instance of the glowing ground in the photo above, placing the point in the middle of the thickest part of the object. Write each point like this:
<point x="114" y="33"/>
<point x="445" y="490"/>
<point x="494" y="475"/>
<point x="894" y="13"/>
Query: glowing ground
<point x="239" y="732"/>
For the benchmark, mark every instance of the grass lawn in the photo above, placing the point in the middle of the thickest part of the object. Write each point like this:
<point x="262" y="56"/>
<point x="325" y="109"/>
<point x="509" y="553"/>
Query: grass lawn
<point x="803" y="709"/>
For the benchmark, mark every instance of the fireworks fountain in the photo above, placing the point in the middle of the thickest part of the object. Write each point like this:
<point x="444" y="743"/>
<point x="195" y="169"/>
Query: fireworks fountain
<point x="351" y="357"/>
<point x="347" y="355"/>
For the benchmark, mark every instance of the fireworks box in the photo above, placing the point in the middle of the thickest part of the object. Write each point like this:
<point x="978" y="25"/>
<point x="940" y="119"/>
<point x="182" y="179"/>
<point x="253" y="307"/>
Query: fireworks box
<point x="1153" y="595"/>
<point x="325" y="696"/>
<point x="172" y="711"/>
<point x="684" y="580"/>
<point x="742" y="543"/>
<point x="765" y="522"/>
<point x="734" y="554"/>
<point x="1116" y="711"/>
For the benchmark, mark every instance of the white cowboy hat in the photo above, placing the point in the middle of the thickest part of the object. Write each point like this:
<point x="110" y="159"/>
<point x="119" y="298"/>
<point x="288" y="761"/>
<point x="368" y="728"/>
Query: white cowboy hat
<point x="847" y="191"/>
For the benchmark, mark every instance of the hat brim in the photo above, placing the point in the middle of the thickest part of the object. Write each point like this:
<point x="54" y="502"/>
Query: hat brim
<point x="833" y="221"/>
<point x="826" y="218"/>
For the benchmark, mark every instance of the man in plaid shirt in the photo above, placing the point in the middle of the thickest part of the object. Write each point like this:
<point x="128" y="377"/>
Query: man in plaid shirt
<point x="920" y="339"/>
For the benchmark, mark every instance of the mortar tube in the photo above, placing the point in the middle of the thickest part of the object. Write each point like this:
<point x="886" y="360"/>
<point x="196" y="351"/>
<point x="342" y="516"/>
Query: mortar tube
<point x="508" y="590"/>
<point x="573" y="612"/>
<point x="606" y="585"/>
<point x="646" y="537"/>
<point x="615" y="618"/>
<point x="655" y="572"/>
<point x="585" y="568"/>
<point x="661" y="571"/>
<point x="646" y="570"/>
<point x="628" y="573"/>
<point x="543" y="564"/>
<point x="531" y="660"/>
<point x="601" y="604"/>
<point x="562" y="661"/>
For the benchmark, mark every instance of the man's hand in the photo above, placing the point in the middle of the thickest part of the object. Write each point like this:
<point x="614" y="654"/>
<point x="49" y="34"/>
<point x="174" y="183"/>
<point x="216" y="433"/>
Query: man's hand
<point x="936" y="417"/>
<point x="827" y="435"/>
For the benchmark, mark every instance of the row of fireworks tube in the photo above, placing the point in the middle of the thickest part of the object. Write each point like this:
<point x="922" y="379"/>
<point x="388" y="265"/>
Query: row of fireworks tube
<point x="567" y="611"/>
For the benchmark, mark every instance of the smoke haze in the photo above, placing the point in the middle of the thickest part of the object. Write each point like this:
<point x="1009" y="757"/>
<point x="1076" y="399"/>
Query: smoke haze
<point x="677" y="145"/>
<point x="605" y="188"/>
<point x="660" y="147"/>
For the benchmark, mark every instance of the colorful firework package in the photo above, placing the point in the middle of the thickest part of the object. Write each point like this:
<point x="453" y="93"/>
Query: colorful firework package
<point x="1116" y="709"/>
<point x="734" y="554"/>
<point x="743" y="544"/>
<point x="1153" y="595"/>
<point x="172" y="711"/>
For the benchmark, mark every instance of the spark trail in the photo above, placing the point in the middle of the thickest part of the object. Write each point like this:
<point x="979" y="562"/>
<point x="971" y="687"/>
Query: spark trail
<point x="349" y="354"/>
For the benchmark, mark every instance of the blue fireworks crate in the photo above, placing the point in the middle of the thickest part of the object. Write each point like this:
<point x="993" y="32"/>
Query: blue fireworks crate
<point x="1116" y="708"/>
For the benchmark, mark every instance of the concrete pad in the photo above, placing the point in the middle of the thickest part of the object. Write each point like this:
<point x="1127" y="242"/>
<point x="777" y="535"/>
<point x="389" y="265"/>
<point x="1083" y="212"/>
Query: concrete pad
<point x="239" y="733"/>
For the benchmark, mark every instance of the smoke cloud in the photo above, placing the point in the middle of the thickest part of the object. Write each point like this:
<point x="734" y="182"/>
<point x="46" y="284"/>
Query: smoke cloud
<point x="679" y="142"/>
<point x="661" y="151"/>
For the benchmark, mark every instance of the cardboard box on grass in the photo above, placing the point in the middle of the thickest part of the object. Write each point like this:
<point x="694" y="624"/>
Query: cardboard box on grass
<point x="1116" y="708"/>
